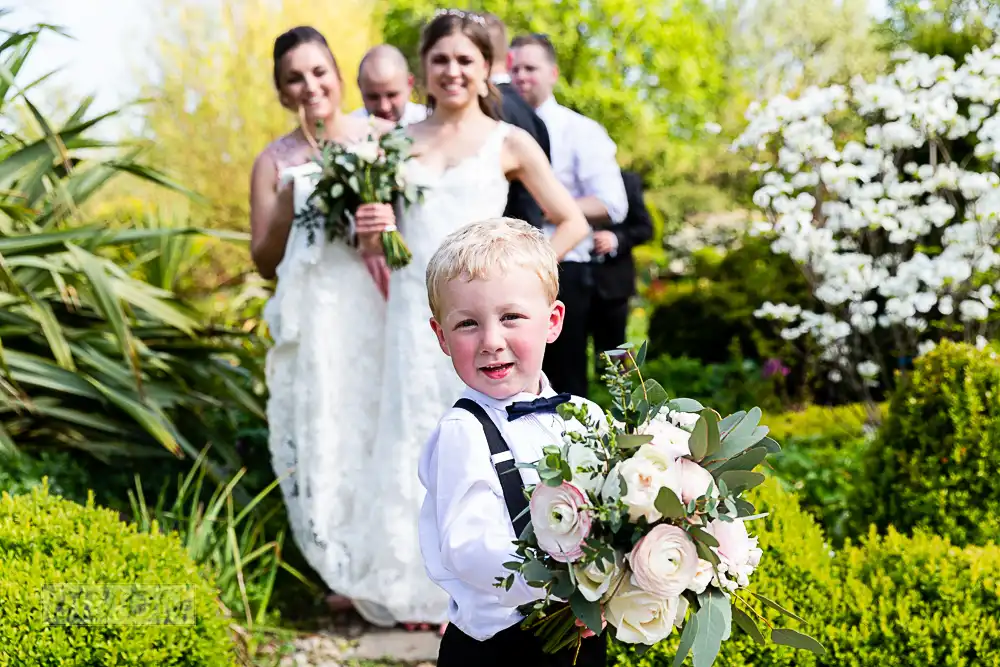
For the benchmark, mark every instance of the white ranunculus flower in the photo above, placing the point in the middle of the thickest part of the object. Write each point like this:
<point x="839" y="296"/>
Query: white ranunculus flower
<point x="366" y="151"/>
<point x="580" y="456"/>
<point x="560" y="522"/>
<point x="664" y="562"/>
<point x="671" y="439"/>
<point x="650" y="469"/>
<point x="595" y="584"/>
<point x="640" y="617"/>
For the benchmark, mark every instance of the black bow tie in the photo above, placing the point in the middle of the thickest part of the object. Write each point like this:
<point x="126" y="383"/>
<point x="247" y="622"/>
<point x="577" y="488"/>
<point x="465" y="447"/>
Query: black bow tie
<point x="522" y="408"/>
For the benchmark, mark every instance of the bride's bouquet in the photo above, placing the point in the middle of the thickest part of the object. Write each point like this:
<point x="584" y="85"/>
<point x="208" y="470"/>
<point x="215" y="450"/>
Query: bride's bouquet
<point x="642" y="524"/>
<point x="374" y="171"/>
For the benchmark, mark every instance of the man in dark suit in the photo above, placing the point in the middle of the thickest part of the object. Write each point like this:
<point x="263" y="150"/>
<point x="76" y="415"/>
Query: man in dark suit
<point x="614" y="274"/>
<point x="514" y="110"/>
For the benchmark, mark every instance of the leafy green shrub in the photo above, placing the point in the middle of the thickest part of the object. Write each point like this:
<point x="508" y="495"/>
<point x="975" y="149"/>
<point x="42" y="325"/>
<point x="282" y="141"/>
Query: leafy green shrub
<point x="935" y="462"/>
<point x="890" y="600"/>
<point x="59" y="562"/>
<point x="821" y="459"/>
<point x="727" y="387"/>
<point x="914" y="601"/>
<point x="796" y="570"/>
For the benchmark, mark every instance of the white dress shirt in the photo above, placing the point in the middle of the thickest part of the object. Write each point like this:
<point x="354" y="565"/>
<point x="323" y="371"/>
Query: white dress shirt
<point x="412" y="113"/>
<point x="465" y="530"/>
<point x="583" y="158"/>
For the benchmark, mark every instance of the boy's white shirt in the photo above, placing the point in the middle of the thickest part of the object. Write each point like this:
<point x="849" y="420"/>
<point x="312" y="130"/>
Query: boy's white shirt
<point x="465" y="530"/>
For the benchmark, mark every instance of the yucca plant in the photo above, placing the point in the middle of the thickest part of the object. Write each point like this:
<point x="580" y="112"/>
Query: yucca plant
<point x="93" y="357"/>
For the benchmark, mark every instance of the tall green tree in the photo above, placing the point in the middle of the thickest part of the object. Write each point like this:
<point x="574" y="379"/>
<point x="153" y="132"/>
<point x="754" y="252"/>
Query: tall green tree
<point x="942" y="27"/>
<point x="652" y="73"/>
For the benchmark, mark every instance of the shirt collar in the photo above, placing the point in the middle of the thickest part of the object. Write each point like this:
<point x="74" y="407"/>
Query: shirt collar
<point x="500" y="77"/>
<point x="501" y="404"/>
<point x="547" y="108"/>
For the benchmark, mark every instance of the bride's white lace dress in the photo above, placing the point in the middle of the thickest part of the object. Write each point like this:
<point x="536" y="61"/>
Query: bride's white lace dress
<point x="327" y="320"/>
<point x="418" y="380"/>
<point x="357" y="385"/>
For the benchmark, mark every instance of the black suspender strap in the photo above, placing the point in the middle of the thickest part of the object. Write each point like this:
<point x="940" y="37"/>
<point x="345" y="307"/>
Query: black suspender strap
<point x="503" y="461"/>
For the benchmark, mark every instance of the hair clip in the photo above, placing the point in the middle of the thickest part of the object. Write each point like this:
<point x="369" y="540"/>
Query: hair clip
<point x="459" y="13"/>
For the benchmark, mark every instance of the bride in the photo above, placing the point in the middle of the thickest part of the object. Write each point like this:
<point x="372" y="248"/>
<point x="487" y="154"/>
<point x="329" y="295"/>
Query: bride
<point x="327" y="320"/>
<point x="465" y="157"/>
<point x="357" y="383"/>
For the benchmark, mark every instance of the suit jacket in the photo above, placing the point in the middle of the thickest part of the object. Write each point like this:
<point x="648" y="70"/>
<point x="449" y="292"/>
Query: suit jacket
<point x="516" y="111"/>
<point x="615" y="276"/>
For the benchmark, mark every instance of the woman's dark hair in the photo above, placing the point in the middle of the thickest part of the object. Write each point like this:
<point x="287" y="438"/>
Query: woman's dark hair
<point x="473" y="26"/>
<point x="294" y="38"/>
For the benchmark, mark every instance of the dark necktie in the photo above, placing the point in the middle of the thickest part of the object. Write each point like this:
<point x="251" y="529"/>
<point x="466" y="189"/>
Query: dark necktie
<point x="521" y="408"/>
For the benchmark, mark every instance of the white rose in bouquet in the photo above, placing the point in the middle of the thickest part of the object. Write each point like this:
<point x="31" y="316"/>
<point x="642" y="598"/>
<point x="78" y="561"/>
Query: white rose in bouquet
<point x="559" y="522"/>
<point x="737" y="551"/>
<point x="695" y="481"/>
<point x="641" y="617"/>
<point x="595" y="584"/>
<point x="366" y="151"/>
<point x="670" y="438"/>
<point x="664" y="562"/>
<point x="651" y="468"/>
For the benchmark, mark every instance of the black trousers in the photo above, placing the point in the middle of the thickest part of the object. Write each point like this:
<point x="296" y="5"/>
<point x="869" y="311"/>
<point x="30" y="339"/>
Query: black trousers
<point x="565" y="362"/>
<point x="514" y="647"/>
<point x="607" y="321"/>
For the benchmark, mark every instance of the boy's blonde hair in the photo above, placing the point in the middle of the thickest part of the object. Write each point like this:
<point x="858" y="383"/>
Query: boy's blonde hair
<point x="478" y="250"/>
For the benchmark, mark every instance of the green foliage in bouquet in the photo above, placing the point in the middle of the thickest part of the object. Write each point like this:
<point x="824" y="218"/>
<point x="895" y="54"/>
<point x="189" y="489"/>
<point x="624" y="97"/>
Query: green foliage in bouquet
<point x="370" y="172"/>
<point x="698" y="494"/>
<point x="934" y="464"/>
<point x="81" y="587"/>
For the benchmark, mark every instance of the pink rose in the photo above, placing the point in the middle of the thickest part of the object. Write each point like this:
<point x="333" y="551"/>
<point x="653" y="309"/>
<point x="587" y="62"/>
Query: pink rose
<point x="664" y="562"/>
<point x="559" y="523"/>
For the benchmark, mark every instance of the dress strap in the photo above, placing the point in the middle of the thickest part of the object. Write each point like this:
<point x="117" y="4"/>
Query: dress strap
<point x="503" y="461"/>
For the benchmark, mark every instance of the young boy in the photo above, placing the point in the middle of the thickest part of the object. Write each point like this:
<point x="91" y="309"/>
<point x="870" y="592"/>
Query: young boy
<point x="492" y="289"/>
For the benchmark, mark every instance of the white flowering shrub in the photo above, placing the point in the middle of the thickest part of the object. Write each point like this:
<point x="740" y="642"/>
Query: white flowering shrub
<point x="886" y="194"/>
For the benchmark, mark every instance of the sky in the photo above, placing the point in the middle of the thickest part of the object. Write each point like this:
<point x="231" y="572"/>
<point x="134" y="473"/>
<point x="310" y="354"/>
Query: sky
<point x="109" y="45"/>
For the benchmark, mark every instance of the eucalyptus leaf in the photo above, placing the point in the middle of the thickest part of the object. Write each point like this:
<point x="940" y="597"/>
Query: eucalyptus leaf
<point x="587" y="611"/>
<point x="698" y="443"/>
<point x="748" y="625"/>
<point x="668" y="504"/>
<point x="748" y="460"/>
<point x="777" y="607"/>
<point x="730" y="421"/>
<point x="632" y="440"/>
<point x="655" y="393"/>
<point x="787" y="637"/>
<point x="706" y="554"/>
<point x="687" y="640"/>
<point x="534" y="570"/>
<point x="714" y="623"/>
<point x="742" y="480"/>
<point x="640" y="357"/>
<point x="701" y="536"/>
<point x="684" y="405"/>
<point x="563" y="587"/>
<point x="770" y="445"/>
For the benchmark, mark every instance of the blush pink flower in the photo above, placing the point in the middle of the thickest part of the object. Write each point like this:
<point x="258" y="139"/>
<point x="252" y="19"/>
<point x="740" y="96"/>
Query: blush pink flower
<point x="664" y="562"/>
<point x="560" y="520"/>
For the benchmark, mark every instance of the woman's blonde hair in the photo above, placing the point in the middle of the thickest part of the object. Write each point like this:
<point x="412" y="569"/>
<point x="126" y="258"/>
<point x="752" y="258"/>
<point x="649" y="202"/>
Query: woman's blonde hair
<point x="479" y="250"/>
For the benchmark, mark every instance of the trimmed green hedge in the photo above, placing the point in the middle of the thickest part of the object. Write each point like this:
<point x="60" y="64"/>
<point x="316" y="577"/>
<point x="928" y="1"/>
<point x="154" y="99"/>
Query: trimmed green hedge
<point x="936" y="461"/>
<point x="80" y="587"/>
<point x="888" y="601"/>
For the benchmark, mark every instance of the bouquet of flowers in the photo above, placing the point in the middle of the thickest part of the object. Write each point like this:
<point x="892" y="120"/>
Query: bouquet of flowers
<point x="641" y="523"/>
<point x="370" y="172"/>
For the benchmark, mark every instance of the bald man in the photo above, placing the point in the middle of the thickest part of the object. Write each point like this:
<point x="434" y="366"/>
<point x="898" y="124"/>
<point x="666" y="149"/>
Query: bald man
<point x="386" y="83"/>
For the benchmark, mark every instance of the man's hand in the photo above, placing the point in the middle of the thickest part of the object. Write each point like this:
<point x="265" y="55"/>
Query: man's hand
<point x="605" y="242"/>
